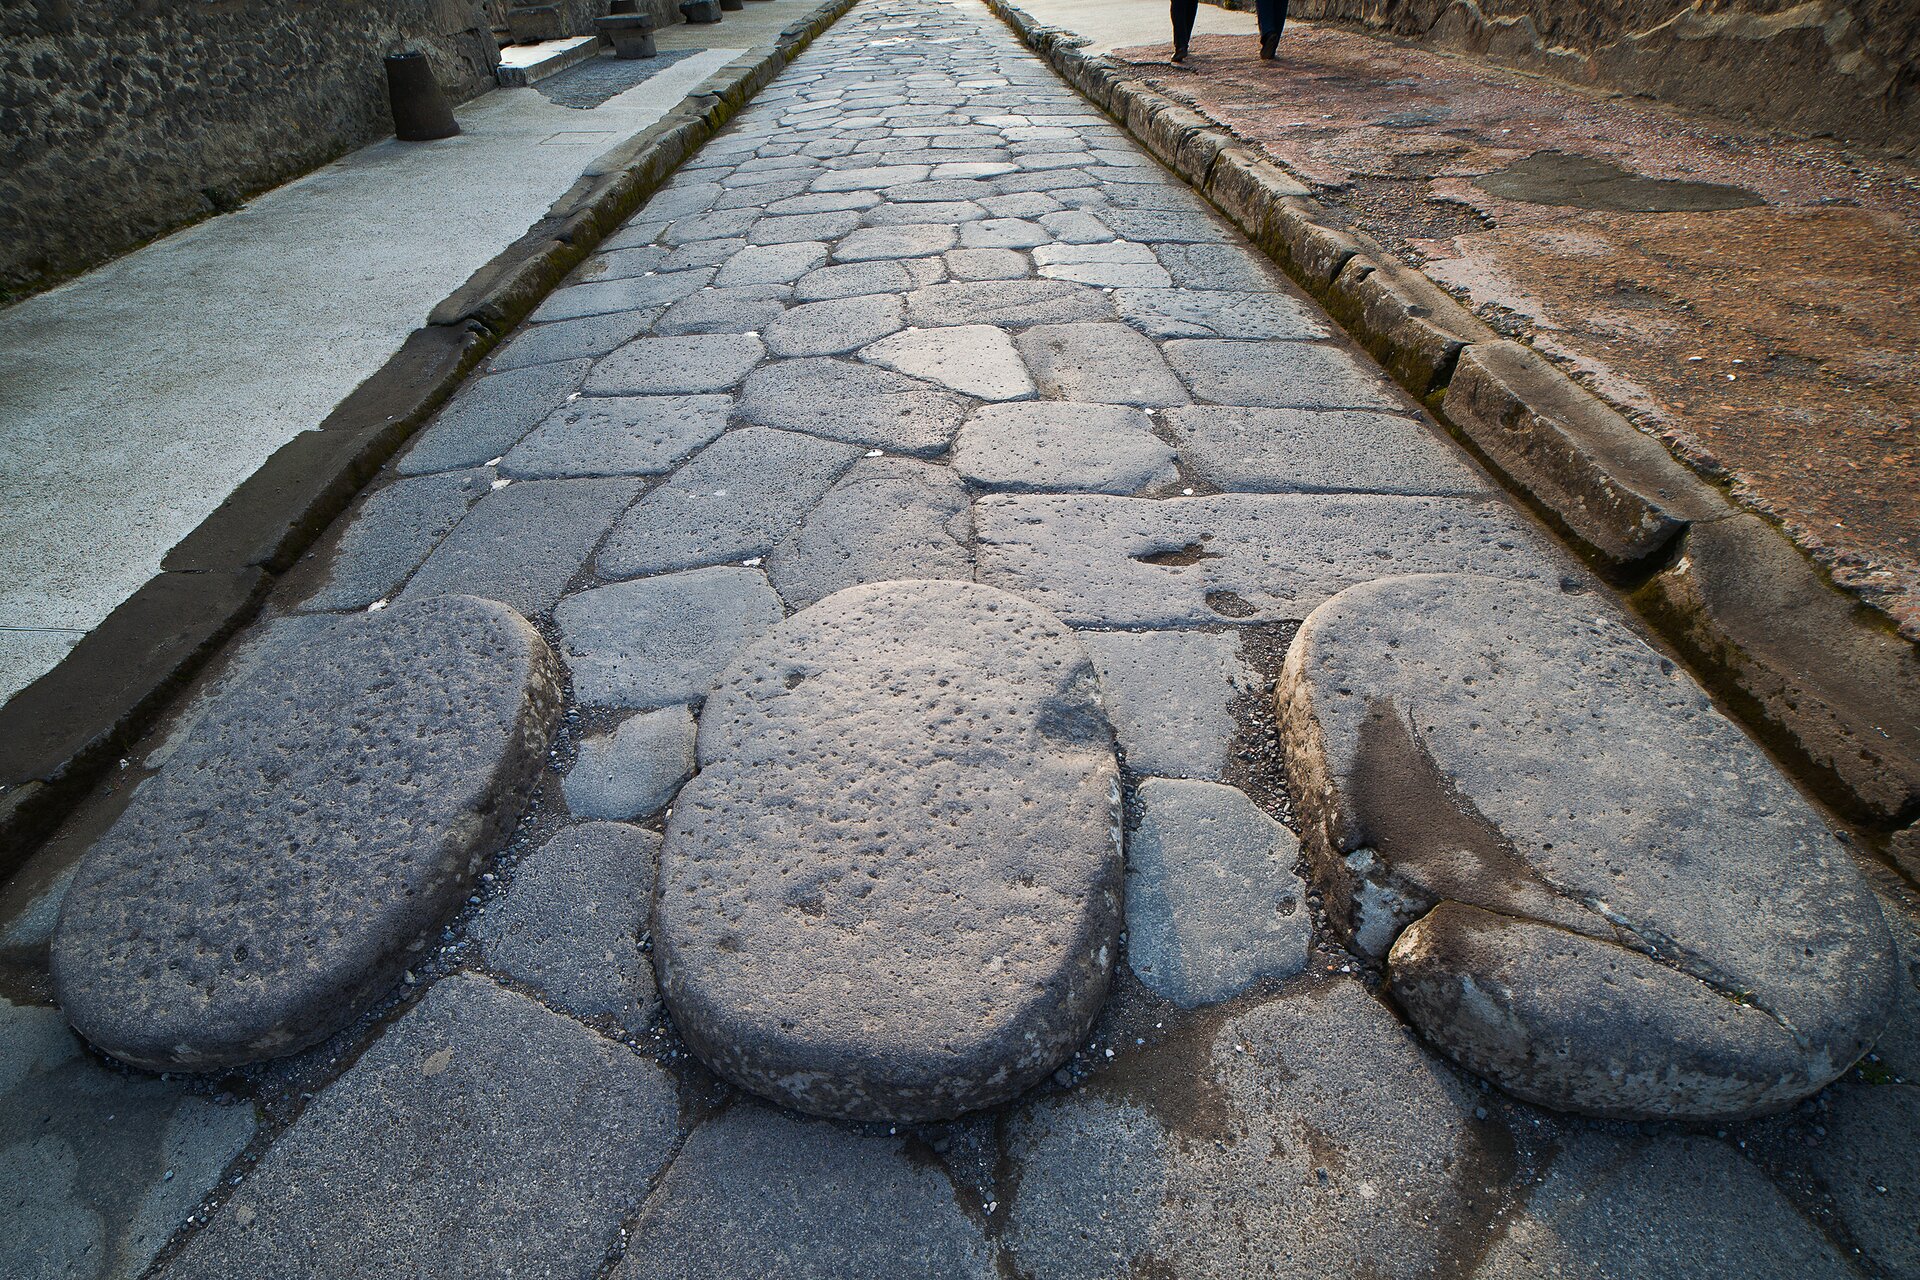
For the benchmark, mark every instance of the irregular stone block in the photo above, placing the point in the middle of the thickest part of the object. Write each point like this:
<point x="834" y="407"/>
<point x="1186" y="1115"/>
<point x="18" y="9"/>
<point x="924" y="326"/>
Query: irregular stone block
<point x="569" y="925"/>
<point x="639" y="293"/>
<point x="702" y="253"/>
<point x="875" y="243"/>
<point x="987" y="264"/>
<point x="572" y="339"/>
<point x="1169" y="695"/>
<point x="1318" y="450"/>
<point x="324" y="813"/>
<point x="872" y="178"/>
<point x="1124" y="264"/>
<point x="1212" y="266"/>
<point x="852" y="279"/>
<point x="1279" y="375"/>
<point x="633" y="771"/>
<point x="1870" y="1165"/>
<point x="859" y="915"/>
<point x="835" y="327"/>
<point x="481" y="1135"/>
<point x="1004" y="233"/>
<point x="886" y="518"/>
<point x="1217" y="313"/>
<point x="745" y="310"/>
<point x="1590" y="887"/>
<point x="1011" y="304"/>
<point x="492" y="413"/>
<point x="772" y="264"/>
<point x="974" y="359"/>
<point x="1051" y="445"/>
<point x="1103" y="363"/>
<point x="392" y="533"/>
<point x="825" y="225"/>
<point x="840" y="400"/>
<point x="676" y="366"/>
<point x="661" y="641"/>
<point x="619" y="435"/>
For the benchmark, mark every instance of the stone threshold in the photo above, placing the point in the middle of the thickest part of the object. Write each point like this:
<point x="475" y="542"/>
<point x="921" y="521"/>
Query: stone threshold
<point x="523" y="65"/>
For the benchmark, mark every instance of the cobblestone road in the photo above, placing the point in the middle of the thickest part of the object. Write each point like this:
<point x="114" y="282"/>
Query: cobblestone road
<point x="921" y="313"/>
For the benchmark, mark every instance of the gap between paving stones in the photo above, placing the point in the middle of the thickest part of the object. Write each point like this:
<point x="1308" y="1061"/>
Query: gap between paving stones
<point x="1814" y="673"/>
<point x="60" y="734"/>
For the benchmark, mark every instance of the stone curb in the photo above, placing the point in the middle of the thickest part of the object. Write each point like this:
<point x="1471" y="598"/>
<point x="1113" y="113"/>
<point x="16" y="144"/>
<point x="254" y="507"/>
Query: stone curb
<point x="1822" y="679"/>
<point x="61" y="733"/>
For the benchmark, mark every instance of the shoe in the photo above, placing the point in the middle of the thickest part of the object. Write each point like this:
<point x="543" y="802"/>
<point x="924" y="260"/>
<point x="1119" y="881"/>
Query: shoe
<point x="1267" y="46"/>
<point x="1179" y="55"/>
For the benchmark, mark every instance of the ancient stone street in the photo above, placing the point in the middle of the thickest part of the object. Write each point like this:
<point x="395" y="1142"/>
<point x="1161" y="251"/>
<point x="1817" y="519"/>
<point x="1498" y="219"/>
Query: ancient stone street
<point x="927" y="717"/>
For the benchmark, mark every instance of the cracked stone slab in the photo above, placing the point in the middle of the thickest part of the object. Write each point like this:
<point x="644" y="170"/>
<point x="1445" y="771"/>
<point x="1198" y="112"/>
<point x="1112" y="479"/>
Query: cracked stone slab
<point x="734" y="501"/>
<point x="975" y="360"/>
<point x="772" y="263"/>
<point x="1213" y="266"/>
<point x="1250" y="450"/>
<point x="858" y="915"/>
<point x="618" y="436"/>
<point x="393" y="532"/>
<point x="1213" y="904"/>
<point x="481" y="1135"/>
<point x="987" y="264"/>
<point x="1102" y="363"/>
<point x="885" y="518"/>
<point x="572" y="339"/>
<point x="326" y="810"/>
<point x="853" y="279"/>
<point x="633" y="771"/>
<point x="1117" y="265"/>
<point x="744" y="310"/>
<point x="493" y="412"/>
<point x="1215" y="313"/>
<point x="1589" y="886"/>
<point x="702" y="253"/>
<point x="1183" y="562"/>
<point x="855" y="403"/>
<point x="663" y="640"/>
<point x="756" y="1192"/>
<point x="1169" y="695"/>
<point x="636" y="293"/>
<point x="676" y="366"/>
<point x="569" y="925"/>
<point x="1279" y="375"/>
<point x="1012" y="304"/>
<point x="836" y="327"/>
<point x="1052" y="445"/>
<point x="871" y="244"/>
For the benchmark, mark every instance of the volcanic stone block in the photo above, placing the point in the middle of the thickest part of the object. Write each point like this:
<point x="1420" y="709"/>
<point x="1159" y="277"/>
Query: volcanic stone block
<point x="633" y="771"/>
<point x="835" y="327"/>
<point x="322" y="815"/>
<point x="1279" y="375"/>
<point x="662" y="640"/>
<point x="1105" y="363"/>
<point x="1318" y="450"/>
<point x="1217" y="313"/>
<point x="974" y="359"/>
<point x="619" y="435"/>
<point x="1589" y="886"/>
<point x="1051" y="445"/>
<point x="392" y="533"/>
<point x="1012" y="304"/>
<point x="669" y="366"/>
<point x="857" y="403"/>
<point x="744" y="310"/>
<point x="895" y="907"/>
<point x="1109" y="265"/>
<point x="1169" y="695"/>
<point x="886" y="518"/>
<point x="772" y="263"/>
<point x="873" y="244"/>
<point x="493" y="412"/>
<point x="636" y="293"/>
<point x="573" y="339"/>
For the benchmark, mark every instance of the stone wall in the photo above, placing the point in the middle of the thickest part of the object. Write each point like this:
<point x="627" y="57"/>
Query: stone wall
<point x="1848" y="68"/>
<point x="123" y="119"/>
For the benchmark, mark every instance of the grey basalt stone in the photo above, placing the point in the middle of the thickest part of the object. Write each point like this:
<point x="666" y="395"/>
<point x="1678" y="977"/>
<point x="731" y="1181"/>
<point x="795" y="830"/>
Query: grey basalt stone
<point x="835" y="327"/>
<point x="1117" y="265"/>
<point x="1216" y="313"/>
<point x="323" y="814"/>
<point x="1588" y="885"/>
<point x="852" y="279"/>
<point x="1012" y="304"/>
<point x="618" y="435"/>
<point x="744" y="310"/>
<point x="569" y="925"/>
<point x="637" y="293"/>
<point x="1279" y="375"/>
<point x="900" y="907"/>
<point x="1103" y="363"/>
<point x="855" y="403"/>
<point x="1052" y="445"/>
<point x="772" y="263"/>
<point x="392" y="533"/>
<point x="662" y="640"/>
<point x="480" y="1135"/>
<point x="1169" y="695"/>
<point x="633" y="771"/>
<point x="573" y="339"/>
<point x="1318" y="451"/>
<point x="885" y="518"/>
<point x="873" y="244"/>
<point x="975" y="360"/>
<point x="490" y="414"/>
<point x="676" y="366"/>
<point x="987" y="264"/>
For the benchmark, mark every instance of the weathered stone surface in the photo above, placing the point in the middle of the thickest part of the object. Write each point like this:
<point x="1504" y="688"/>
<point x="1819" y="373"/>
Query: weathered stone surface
<point x="734" y="501"/>
<point x="1169" y="695"/>
<point x="1101" y="363"/>
<point x="633" y="771"/>
<point x="676" y="366"/>
<point x="944" y="211"/>
<point x="853" y="279"/>
<point x="1590" y="886"/>
<point x="1013" y="304"/>
<point x="572" y="339"/>
<point x="858" y="914"/>
<point x="772" y="264"/>
<point x="99" y="1166"/>
<point x="619" y="436"/>
<point x="841" y="400"/>
<point x="1287" y="1140"/>
<point x="825" y="225"/>
<point x="1004" y="233"/>
<point x="1279" y="375"/>
<point x="323" y="814"/>
<point x="1216" y="313"/>
<point x="744" y="310"/>
<point x="835" y="327"/>
<point x="1051" y="445"/>
<point x="702" y="253"/>
<point x="1131" y="562"/>
<point x="520" y="544"/>
<point x="1215" y="266"/>
<point x="987" y="264"/>
<point x="870" y="244"/>
<point x="661" y="641"/>
<point x="493" y="412"/>
<point x="639" y="293"/>
<point x="1325" y="451"/>
<point x="758" y="1193"/>
<point x="569" y="925"/>
<point x="1213" y="904"/>
<point x="886" y="518"/>
<point x="973" y="359"/>
<point x="393" y="532"/>
<point x="872" y="178"/>
<point x="1870" y="1164"/>
<point x="1108" y="265"/>
<point x="481" y="1135"/>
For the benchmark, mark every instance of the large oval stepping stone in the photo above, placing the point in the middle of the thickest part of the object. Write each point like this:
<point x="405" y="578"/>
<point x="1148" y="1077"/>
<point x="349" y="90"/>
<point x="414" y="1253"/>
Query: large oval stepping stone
<point x="893" y="890"/>
<point x="330" y="806"/>
<point x="1588" y="885"/>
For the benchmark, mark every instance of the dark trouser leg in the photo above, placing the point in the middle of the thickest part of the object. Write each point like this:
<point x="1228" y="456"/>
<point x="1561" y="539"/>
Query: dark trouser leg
<point x="1273" y="17"/>
<point x="1183" y="15"/>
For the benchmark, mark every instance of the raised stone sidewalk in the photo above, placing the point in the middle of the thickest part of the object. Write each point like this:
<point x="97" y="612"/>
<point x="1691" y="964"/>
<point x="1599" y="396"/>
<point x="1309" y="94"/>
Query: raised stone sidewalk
<point x="931" y="599"/>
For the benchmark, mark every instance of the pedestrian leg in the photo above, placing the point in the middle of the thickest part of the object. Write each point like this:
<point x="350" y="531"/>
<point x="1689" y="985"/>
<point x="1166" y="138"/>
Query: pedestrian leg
<point x="1273" y="17"/>
<point x="1184" y="12"/>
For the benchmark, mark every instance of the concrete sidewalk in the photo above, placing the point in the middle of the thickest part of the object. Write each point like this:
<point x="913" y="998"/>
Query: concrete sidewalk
<point x="137" y="397"/>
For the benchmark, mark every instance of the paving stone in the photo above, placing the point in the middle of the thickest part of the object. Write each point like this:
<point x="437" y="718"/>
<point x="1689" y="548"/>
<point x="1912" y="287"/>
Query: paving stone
<point x="493" y="412"/>
<point x="1213" y="904"/>
<point x="1054" y="445"/>
<point x="1121" y="264"/>
<point x="1668" y="1206"/>
<point x="1252" y="558"/>
<point x="755" y="1192"/>
<point x="745" y="310"/>
<point x="679" y="199"/>
<point x="481" y="1135"/>
<point x="856" y="917"/>
<point x="947" y="211"/>
<point x="975" y="360"/>
<point x="1013" y="304"/>
<point x="709" y="226"/>
<point x="392" y="533"/>
<point x="324" y="813"/>
<point x="1104" y="363"/>
<point x="521" y="544"/>
<point x="1325" y="451"/>
<point x="676" y="366"/>
<point x="988" y="264"/>
<point x="1217" y="313"/>
<point x="738" y="498"/>
<point x="852" y="280"/>
<point x="938" y="192"/>
<point x="972" y="169"/>
<point x="1214" y="266"/>
<point x="1559" y="762"/>
<point x="1870" y="1163"/>
<point x="841" y="400"/>
<point x="755" y="198"/>
<point x="910" y="241"/>
<point x="617" y="263"/>
<point x="640" y="293"/>
<point x="1023" y="204"/>
<point x="1287" y="1164"/>
<point x="1279" y="375"/>
<point x="99" y="1166"/>
<point x="825" y="202"/>
<point x="1169" y="695"/>
<point x="836" y="327"/>
<point x="702" y="253"/>
<point x="662" y="641"/>
<point x="633" y="771"/>
<point x="798" y="227"/>
<point x="572" y="339"/>
<point x="619" y="435"/>
<point x="772" y="263"/>
<point x="569" y="925"/>
<point x="872" y="178"/>
<point x="1004" y="233"/>
<point x="1162" y="226"/>
<point x="1074" y="226"/>
<point x="886" y="518"/>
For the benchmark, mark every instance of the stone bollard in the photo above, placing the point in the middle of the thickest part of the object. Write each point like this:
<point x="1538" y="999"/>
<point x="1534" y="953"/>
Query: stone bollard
<point x="630" y="33"/>
<point x="420" y="110"/>
<point x="733" y="6"/>
<point x="701" y="11"/>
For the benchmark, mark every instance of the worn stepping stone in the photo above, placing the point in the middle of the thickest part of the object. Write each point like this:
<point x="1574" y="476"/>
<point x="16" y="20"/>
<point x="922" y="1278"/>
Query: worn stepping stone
<point x="1589" y="886"/>
<point x="893" y="890"/>
<point x="323" y="813"/>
